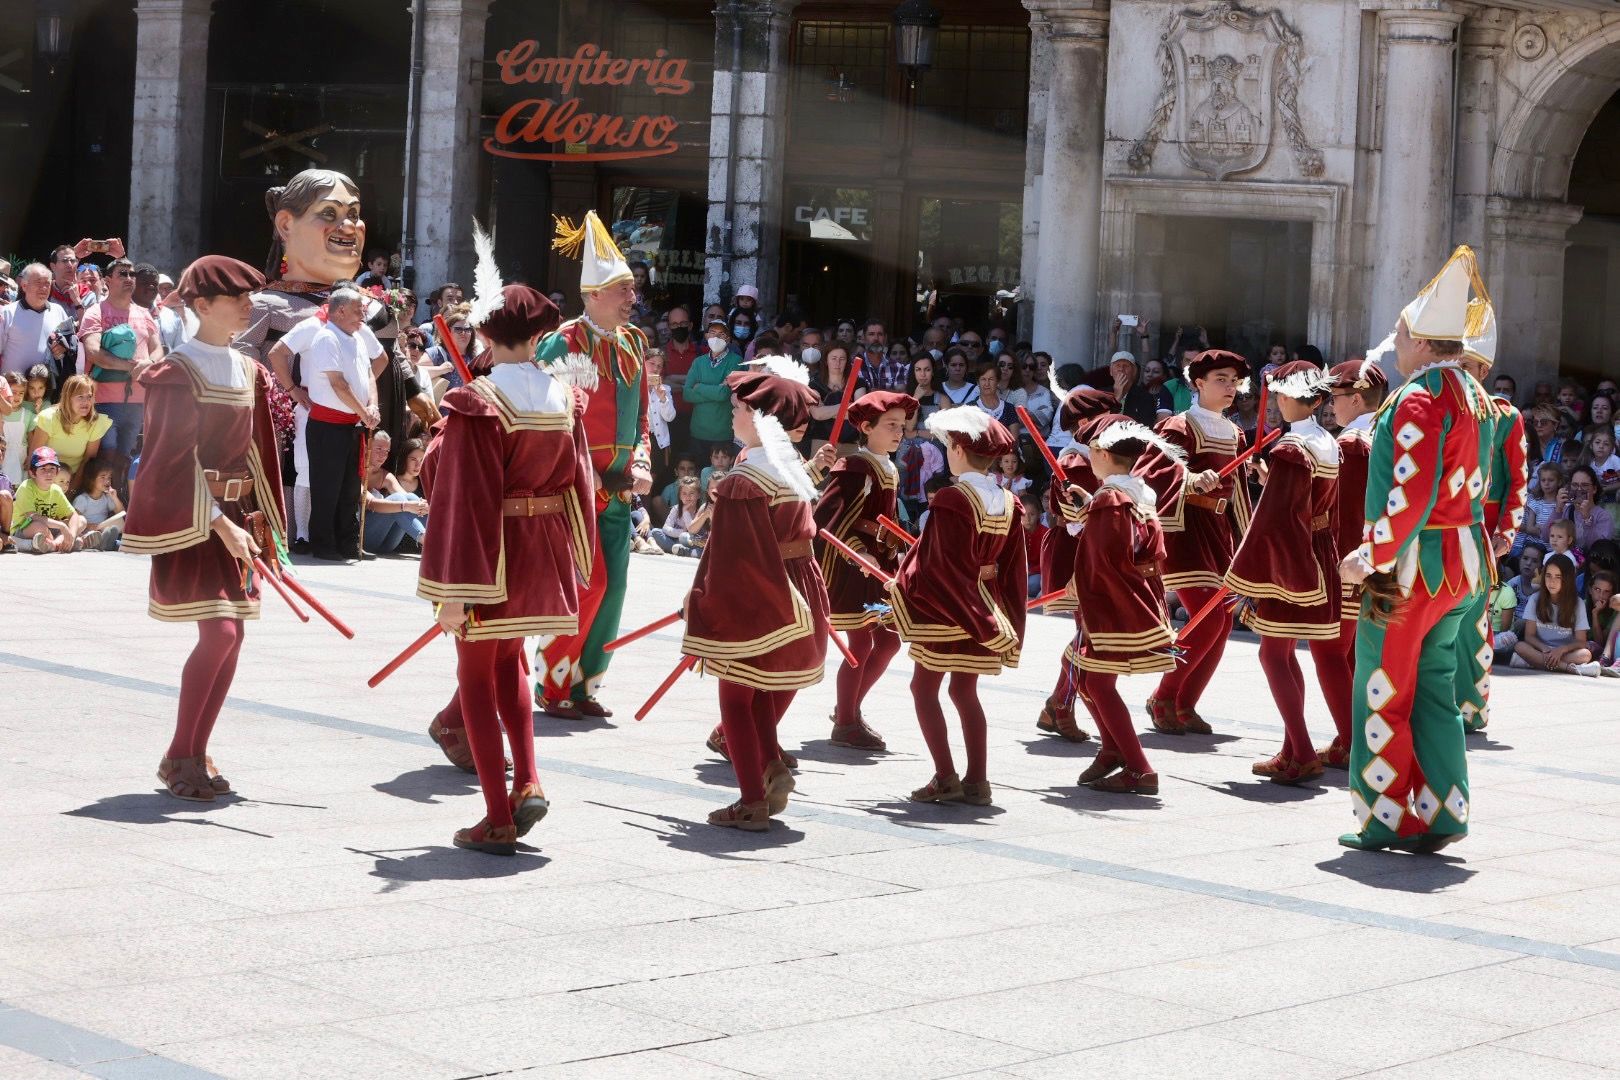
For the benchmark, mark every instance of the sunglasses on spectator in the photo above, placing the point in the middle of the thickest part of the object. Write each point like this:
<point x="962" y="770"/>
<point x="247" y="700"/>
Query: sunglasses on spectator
<point x="461" y="328"/>
<point x="1540" y="420"/>
<point x="972" y="343"/>
<point x="122" y="273"/>
<point x="1029" y="367"/>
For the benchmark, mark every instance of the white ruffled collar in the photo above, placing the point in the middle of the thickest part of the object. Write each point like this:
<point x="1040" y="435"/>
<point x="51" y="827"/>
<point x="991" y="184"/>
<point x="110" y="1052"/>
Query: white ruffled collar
<point x="993" y="495"/>
<point x="1210" y="422"/>
<point x="529" y="388"/>
<point x="1364" y="422"/>
<point x="1135" y="487"/>
<point x="1322" y="446"/>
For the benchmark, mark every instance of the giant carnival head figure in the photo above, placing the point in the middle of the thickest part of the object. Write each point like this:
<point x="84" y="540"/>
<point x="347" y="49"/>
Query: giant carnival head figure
<point x="317" y="234"/>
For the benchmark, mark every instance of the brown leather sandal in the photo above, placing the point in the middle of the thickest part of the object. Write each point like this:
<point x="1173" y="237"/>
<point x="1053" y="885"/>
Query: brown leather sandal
<point x="186" y="778"/>
<point x="939" y="789"/>
<point x="1104" y="763"/>
<point x="220" y="785"/>
<point x="749" y="817"/>
<point x="1126" y="782"/>
<point x="1190" y="722"/>
<point x="717" y="742"/>
<point x="1162" y="714"/>
<point x="490" y="839"/>
<point x="1056" y="722"/>
<point x="529" y="805"/>
<point x="974" y="793"/>
<point x="1336" y="755"/>
<point x="453" y="741"/>
<point x="778" y="786"/>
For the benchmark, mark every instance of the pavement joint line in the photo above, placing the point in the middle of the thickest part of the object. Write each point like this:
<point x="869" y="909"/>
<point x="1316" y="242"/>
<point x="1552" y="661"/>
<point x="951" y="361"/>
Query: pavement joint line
<point x="927" y="835"/>
<point x="95" y="1055"/>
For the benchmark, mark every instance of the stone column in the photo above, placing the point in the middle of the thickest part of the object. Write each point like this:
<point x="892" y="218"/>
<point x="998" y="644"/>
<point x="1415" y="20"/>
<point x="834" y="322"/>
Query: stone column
<point x="1071" y="180"/>
<point x="747" y="138"/>
<point x="1484" y="37"/>
<point x="171" y="74"/>
<point x="448" y="158"/>
<point x="1413" y="232"/>
<point x="1040" y="76"/>
<point x="1524" y="270"/>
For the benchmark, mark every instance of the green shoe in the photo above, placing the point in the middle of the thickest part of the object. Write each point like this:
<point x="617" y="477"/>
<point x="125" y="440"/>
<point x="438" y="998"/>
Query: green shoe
<point x="1363" y="842"/>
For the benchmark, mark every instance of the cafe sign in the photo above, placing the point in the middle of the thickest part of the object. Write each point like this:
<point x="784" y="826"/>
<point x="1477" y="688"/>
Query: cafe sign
<point x="531" y="127"/>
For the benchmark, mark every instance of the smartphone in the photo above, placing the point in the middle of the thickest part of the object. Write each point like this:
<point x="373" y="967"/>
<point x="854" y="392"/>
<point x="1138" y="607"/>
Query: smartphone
<point x="99" y="247"/>
<point x="1127" y="320"/>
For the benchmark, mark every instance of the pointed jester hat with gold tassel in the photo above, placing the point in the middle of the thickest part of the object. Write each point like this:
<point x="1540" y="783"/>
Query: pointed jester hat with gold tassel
<point x="601" y="262"/>
<point x="1443" y="311"/>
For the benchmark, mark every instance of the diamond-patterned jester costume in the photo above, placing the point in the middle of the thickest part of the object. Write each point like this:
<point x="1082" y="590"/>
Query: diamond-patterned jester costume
<point x="572" y="667"/>
<point x="1425" y="489"/>
<point x="1506" y="489"/>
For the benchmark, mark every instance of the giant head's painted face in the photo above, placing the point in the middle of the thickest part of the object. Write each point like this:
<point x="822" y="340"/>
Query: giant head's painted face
<point x="323" y="242"/>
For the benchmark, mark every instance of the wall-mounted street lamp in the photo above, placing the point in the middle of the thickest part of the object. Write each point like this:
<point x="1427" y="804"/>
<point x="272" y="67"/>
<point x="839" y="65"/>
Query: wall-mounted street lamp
<point x="916" y="28"/>
<point x="53" y="32"/>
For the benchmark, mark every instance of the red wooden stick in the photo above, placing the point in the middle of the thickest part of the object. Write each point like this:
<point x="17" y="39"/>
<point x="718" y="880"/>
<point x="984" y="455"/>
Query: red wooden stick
<point x="275" y="583"/>
<point x="849" y="395"/>
<point x="410" y="650"/>
<point x="687" y="664"/>
<point x="1199" y="615"/>
<point x="1260" y="418"/>
<point x="450" y="347"/>
<point x="1259" y="444"/>
<point x="1040" y="442"/>
<point x="637" y="635"/>
<point x="866" y="566"/>
<point x="1042" y="601"/>
<point x="894" y="527"/>
<point x="320" y="609"/>
<point x="849" y="657"/>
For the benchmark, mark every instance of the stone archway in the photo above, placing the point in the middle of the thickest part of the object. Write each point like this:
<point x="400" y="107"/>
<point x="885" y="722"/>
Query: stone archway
<point x="1528" y="216"/>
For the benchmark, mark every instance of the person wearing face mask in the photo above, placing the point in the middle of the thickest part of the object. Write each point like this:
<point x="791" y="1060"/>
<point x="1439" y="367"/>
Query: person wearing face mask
<point x="741" y="325"/>
<point x="705" y="388"/>
<point x="685" y="346"/>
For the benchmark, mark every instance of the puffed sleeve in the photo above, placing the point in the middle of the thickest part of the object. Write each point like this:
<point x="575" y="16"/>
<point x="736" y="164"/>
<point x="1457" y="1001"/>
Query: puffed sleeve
<point x="463" y="557"/>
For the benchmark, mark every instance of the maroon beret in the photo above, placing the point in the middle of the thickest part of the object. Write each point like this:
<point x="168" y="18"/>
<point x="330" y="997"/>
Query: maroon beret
<point x="219" y="275"/>
<point x="1299" y="379"/>
<point x="787" y="400"/>
<point x="973" y="429"/>
<point x="525" y="314"/>
<point x="1357" y="375"/>
<point x="1210" y="360"/>
<point x="870" y="407"/>
<point x="1083" y="403"/>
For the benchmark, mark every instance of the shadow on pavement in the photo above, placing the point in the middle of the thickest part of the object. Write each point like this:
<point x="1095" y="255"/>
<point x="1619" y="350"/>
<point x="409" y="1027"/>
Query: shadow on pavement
<point x="1055" y="746"/>
<point x="1399" y="871"/>
<point x="549" y="727"/>
<point x="1261" y="790"/>
<point x="451" y="864"/>
<point x="429" y="783"/>
<point x="702" y="838"/>
<point x="919" y="815"/>
<point x="151" y="808"/>
<point x="825" y="752"/>
<point x="1190" y="744"/>
<point x="1481" y="740"/>
<point x="1083" y="800"/>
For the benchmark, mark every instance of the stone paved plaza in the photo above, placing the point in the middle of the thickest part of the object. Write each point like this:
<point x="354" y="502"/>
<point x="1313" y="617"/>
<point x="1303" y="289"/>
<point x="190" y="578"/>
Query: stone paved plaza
<point x="321" y="925"/>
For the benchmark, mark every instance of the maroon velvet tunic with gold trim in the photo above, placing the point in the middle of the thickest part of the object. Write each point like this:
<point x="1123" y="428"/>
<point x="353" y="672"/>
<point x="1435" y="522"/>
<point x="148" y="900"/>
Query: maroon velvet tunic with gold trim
<point x="754" y="616"/>
<point x="960" y="595"/>
<point x="1198" y="540"/>
<point x="519" y="575"/>
<point x="1355" y="450"/>
<point x="859" y="488"/>
<point x="1058" y="546"/>
<point x="1124" y="627"/>
<point x="1288" y="562"/>
<point x="193" y="425"/>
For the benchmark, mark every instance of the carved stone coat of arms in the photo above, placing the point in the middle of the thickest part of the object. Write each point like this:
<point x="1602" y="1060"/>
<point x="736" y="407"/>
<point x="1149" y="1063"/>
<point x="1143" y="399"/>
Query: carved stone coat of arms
<point x="1230" y="78"/>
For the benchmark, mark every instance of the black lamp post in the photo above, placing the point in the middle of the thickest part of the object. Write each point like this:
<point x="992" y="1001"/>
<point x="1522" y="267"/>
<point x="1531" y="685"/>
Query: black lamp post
<point x="53" y="32"/>
<point x="916" y="27"/>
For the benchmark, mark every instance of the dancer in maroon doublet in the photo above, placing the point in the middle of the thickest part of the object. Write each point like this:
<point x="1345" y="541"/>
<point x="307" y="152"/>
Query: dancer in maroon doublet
<point x="959" y="598"/>
<point x="508" y="548"/>
<point x="1058" y="547"/>
<point x="757" y="614"/>
<point x="210" y="475"/>
<point x="1201" y="521"/>
<point x="1287" y="571"/>
<point x="1358" y="390"/>
<point x="859" y="489"/>
<point x="1124" y="628"/>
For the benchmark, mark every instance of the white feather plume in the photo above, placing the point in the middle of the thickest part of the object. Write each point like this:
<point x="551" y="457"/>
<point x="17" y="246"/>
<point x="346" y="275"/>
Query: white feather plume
<point x="783" y="367"/>
<point x="969" y="421"/>
<point x="1375" y="358"/>
<point x="782" y="457"/>
<point x="574" y="369"/>
<point x="487" y="295"/>
<point x="1131" y="431"/>
<point x="1301" y="385"/>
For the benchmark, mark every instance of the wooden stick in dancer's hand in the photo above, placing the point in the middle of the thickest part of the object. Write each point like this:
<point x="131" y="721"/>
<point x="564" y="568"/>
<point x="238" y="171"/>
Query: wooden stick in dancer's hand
<point x="894" y="527"/>
<point x="636" y="635"/>
<point x="849" y="657"/>
<point x="275" y="583"/>
<point x="410" y="650"/>
<point x="1259" y="444"/>
<point x="320" y="609"/>
<point x="1058" y="475"/>
<point x="843" y="405"/>
<point x="866" y="566"/>
<point x="450" y="347"/>
<point x="1202" y="613"/>
<point x="1042" y="601"/>
<point x="687" y="664"/>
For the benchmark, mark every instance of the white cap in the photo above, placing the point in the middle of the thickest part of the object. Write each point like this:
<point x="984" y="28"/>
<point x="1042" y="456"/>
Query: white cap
<point x="165" y="279"/>
<point x="1122" y="355"/>
<point x="748" y="291"/>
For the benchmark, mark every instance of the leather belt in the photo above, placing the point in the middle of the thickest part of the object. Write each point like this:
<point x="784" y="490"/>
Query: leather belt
<point x="1150" y="569"/>
<point x="987" y="573"/>
<point x="876" y="532"/>
<point x="532" y="506"/>
<point x="228" y="488"/>
<point x="1206" y="502"/>
<point x="795" y="549"/>
<point x="1319" y="522"/>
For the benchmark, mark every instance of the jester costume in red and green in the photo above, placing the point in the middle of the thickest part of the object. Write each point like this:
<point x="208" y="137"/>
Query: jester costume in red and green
<point x="1408" y="768"/>
<point x="571" y="666"/>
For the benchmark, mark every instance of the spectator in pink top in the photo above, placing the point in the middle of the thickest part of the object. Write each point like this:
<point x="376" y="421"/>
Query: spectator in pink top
<point x="119" y="395"/>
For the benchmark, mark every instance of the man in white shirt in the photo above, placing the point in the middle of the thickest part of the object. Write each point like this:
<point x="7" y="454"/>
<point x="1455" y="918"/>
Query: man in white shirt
<point x="27" y="325"/>
<point x="342" y="388"/>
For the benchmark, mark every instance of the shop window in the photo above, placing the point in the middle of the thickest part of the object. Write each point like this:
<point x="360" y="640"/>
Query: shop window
<point x="978" y="87"/>
<point x="663" y="228"/>
<point x="967" y="251"/>
<point x="827" y="262"/>
<point x="840" y="77"/>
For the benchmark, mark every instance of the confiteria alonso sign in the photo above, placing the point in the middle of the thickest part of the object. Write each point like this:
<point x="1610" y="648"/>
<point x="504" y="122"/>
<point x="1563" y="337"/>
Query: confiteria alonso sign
<point x="530" y="127"/>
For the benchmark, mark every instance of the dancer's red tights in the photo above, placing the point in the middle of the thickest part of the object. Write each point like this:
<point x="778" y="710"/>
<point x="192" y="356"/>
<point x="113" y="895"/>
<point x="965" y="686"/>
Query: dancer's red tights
<point x="749" y="718"/>
<point x="494" y="694"/>
<point x="1184" y="684"/>
<point x="1287" y="683"/>
<point x="874" y="647"/>
<point x="1071" y="684"/>
<point x="204" y="682"/>
<point x="965" y="696"/>
<point x="450" y="716"/>
<point x="1115" y="730"/>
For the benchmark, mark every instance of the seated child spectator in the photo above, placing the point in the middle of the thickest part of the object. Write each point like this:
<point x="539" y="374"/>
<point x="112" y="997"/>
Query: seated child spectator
<point x="98" y="503"/>
<point x="1555" y="624"/>
<point x="1561" y="541"/>
<point x="1541" y="506"/>
<point x="660" y="504"/>
<point x="686" y="527"/>
<point x="393" y="515"/>
<point x="42" y="519"/>
<point x="1602" y="590"/>
<point x="1598" y="453"/>
<point x="7" y="497"/>
<point x="1034" y="535"/>
<point x="721" y="458"/>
